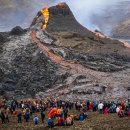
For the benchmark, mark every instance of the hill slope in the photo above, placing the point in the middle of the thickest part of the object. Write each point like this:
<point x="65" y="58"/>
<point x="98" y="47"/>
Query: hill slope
<point x="70" y="61"/>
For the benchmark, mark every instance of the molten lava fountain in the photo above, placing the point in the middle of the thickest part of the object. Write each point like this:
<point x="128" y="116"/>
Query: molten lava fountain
<point x="45" y="13"/>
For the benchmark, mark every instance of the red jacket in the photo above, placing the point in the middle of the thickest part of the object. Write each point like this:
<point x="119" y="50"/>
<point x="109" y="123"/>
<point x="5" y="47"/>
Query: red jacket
<point x="0" y="106"/>
<point x="60" y="120"/>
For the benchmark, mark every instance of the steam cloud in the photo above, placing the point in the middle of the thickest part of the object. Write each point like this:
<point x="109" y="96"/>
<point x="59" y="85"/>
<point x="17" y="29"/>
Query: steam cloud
<point x="21" y="12"/>
<point x="85" y="9"/>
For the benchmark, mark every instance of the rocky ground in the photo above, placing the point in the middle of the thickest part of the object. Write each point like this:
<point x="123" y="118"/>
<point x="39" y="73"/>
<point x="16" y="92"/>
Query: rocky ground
<point x="24" y="69"/>
<point x="63" y="61"/>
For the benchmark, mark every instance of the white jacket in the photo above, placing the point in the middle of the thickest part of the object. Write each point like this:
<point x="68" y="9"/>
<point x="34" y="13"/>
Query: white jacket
<point x="100" y="106"/>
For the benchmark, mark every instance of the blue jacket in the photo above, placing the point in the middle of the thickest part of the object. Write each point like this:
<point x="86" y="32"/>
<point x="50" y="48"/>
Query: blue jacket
<point x="35" y="119"/>
<point x="50" y="122"/>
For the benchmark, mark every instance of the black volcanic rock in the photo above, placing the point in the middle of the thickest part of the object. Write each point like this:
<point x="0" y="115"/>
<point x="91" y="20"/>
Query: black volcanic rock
<point x="1" y="38"/>
<point x="17" y="31"/>
<point x="1" y="74"/>
<point x="62" y="19"/>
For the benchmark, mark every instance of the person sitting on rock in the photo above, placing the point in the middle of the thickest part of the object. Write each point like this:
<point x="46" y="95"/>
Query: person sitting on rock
<point x="81" y="116"/>
<point x="36" y="119"/>
<point x="121" y="113"/>
<point x="84" y="110"/>
<point x="50" y="122"/>
<point x="60" y="121"/>
<point x="69" y="120"/>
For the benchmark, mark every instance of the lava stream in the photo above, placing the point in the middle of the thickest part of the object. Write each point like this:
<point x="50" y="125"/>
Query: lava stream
<point x="77" y="67"/>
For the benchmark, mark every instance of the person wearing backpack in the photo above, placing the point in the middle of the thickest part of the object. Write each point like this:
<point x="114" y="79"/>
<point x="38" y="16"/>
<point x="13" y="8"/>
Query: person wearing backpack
<point x="50" y="122"/>
<point x="81" y="116"/>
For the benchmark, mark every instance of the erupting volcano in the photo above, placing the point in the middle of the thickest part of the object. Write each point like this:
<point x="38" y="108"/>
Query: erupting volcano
<point x="57" y="56"/>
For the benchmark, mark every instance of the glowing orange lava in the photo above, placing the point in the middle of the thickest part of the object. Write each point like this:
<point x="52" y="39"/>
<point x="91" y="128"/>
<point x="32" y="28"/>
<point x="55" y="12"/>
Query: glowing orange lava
<point x="45" y="13"/>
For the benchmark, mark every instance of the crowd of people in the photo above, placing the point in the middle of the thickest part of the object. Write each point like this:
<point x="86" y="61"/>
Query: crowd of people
<point x="57" y="112"/>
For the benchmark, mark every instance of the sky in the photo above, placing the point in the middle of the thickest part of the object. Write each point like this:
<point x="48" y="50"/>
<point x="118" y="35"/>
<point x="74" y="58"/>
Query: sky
<point x="21" y="12"/>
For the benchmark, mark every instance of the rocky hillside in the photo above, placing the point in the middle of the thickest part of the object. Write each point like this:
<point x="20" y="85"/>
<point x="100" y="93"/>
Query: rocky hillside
<point x="65" y="60"/>
<point x="24" y="69"/>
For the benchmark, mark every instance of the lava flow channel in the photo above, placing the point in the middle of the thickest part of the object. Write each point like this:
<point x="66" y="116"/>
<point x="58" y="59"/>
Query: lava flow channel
<point x="51" y="55"/>
<point x="77" y="67"/>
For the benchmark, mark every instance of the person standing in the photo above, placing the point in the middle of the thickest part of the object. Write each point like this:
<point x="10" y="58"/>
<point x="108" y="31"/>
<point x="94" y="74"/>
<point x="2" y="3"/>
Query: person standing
<point x="65" y="113"/>
<point x="19" y="116"/>
<point x="6" y="117"/>
<point x="2" y="117"/>
<point x="100" y="107"/>
<point x="42" y="116"/>
<point x="27" y="116"/>
<point x="94" y="106"/>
